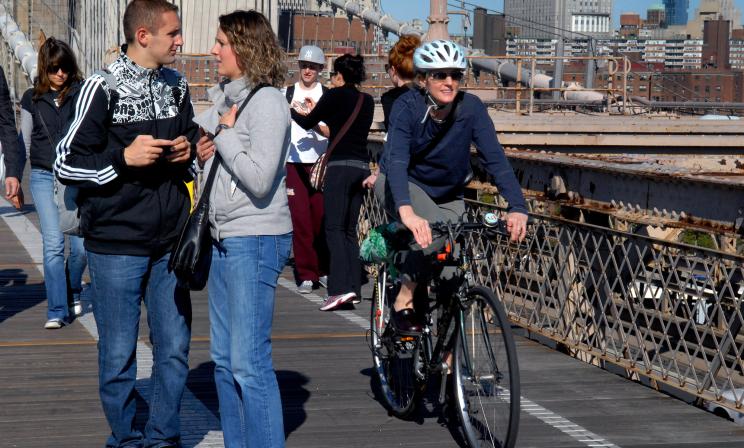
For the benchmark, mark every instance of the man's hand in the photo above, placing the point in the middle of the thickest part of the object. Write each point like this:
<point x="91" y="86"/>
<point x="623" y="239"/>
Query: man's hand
<point x="180" y="150"/>
<point x="205" y="149"/>
<point x="416" y="224"/>
<point x="309" y="104"/>
<point x="145" y="150"/>
<point x="12" y="187"/>
<point x="14" y="192"/>
<point x="516" y="224"/>
<point x="323" y="130"/>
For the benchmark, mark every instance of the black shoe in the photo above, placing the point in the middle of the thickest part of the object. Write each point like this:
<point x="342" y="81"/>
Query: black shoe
<point x="405" y="321"/>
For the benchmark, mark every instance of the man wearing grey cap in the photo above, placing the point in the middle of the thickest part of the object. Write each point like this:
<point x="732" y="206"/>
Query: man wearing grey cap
<point x="306" y="203"/>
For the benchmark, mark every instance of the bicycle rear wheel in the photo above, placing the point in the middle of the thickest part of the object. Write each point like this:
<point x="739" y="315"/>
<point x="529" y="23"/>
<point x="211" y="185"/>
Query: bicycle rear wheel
<point x="486" y="376"/>
<point x="395" y="359"/>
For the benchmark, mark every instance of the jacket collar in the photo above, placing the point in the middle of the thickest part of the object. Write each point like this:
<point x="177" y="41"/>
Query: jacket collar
<point x="136" y="71"/>
<point x="50" y="96"/>
<point x="233" y="92"/>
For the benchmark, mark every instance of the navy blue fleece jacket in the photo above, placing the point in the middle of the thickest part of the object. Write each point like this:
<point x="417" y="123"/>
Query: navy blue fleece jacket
<point x="441" y="172"/>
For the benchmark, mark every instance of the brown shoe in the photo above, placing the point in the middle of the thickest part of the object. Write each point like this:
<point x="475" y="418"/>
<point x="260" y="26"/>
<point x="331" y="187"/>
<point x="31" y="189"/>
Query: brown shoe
<point x="405" y="321"/>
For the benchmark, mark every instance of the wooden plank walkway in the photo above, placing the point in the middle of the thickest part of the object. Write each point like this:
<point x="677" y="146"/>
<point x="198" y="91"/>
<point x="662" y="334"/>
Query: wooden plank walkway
<point x="48" y="380"/>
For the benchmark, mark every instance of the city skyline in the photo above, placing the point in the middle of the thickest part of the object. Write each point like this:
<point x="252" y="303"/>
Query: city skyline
<point x="413" y="9"/>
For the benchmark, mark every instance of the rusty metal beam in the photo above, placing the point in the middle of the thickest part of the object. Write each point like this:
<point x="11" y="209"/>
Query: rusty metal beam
<point x="650" y="143"/>
<point x="641" y="194"/>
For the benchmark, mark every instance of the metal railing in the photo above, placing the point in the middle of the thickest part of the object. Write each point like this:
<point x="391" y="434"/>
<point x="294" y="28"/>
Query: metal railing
<point x="669" y="312"/>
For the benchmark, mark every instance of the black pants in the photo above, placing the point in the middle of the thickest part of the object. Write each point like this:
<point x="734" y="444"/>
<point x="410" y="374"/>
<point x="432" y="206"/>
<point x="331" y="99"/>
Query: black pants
<point x="343" y="195"/>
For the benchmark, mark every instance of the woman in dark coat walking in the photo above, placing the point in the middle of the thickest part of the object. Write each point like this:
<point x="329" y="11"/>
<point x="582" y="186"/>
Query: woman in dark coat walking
<point x="45" y="110"/>
<point x="348" y="166"/>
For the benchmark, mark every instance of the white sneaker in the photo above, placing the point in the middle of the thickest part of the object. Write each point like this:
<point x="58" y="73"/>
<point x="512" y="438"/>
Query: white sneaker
<point x="306" y="287"/>
<point x="323" y="281"/>
<point x="77" y="308"/>
<point x="333" y="302"/>
<point x="54" y="324"/>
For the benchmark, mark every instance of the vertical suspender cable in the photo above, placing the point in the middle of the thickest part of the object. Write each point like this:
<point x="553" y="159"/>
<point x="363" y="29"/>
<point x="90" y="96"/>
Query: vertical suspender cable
<point x="304" y="15"/>
<point x="290" y="27"/>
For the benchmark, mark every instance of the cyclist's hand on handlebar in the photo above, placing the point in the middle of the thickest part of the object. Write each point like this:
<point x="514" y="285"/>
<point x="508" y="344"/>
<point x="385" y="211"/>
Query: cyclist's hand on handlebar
<point x="416" y="224"/>
<point x="516" y="224"/>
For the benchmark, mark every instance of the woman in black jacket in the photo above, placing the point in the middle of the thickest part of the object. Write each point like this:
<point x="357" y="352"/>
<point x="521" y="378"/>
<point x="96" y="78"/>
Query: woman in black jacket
<point x="45" y="109"/>
<point x="348" y="166"/>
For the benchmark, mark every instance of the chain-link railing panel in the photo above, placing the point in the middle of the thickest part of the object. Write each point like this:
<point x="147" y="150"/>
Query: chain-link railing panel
<point x="668" y="311"/>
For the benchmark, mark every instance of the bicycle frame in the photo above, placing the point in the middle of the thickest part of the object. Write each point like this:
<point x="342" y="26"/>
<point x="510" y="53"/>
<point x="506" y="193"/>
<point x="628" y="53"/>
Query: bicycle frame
<point x="451" y="307"/>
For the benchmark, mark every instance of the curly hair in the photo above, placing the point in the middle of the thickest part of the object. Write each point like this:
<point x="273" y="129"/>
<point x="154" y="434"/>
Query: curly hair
<point x="256" y="48"/>
<point x="401" y="55"/>
<point x="55" y="54"/>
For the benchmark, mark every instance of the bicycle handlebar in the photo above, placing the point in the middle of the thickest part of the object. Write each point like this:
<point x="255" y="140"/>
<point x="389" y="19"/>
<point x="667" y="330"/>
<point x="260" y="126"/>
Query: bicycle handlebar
<point x="489" y="222"/>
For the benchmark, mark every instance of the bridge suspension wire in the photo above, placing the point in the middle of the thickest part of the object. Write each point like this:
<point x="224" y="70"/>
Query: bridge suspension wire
<point x="317" y="25"/>
<point x="304" y="16"/>
<point x="290" y="29"/>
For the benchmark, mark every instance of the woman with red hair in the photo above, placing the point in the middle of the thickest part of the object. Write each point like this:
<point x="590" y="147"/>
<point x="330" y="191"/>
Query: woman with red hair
<point x="400" y="70"/>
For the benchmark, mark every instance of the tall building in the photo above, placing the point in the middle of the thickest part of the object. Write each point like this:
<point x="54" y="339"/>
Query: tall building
<point x="712" y="10"/>
<point x="716" y="47"/>
<point x="656" y="17"/>
<point x="630" y="24"/>
<point x="489" y="32"/>
<point x="544" y="19"/>
<point x="676" y="11"/>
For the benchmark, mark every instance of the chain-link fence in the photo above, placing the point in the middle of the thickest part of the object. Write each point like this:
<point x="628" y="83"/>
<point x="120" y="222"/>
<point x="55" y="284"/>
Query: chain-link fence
<point x="667" y="311"/>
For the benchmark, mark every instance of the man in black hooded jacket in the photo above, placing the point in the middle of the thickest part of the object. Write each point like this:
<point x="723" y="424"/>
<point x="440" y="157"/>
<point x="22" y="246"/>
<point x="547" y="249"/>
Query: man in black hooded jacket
<point x="128" y="148"/>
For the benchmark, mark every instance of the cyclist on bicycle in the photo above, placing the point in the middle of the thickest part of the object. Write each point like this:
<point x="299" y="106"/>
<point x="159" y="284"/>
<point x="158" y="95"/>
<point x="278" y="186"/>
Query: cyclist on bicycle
<point x="426" y="163"/>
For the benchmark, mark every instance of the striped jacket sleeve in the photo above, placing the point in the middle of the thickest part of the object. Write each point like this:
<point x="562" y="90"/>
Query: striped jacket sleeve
<point x="83" y="158"/>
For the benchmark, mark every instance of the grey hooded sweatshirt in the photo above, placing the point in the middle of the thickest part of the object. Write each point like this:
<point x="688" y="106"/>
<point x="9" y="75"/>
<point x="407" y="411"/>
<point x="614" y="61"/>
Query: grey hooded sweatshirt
<point x="249" y="195"/>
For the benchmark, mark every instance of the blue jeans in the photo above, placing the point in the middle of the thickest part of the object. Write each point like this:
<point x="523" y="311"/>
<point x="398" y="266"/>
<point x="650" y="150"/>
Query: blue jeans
<point x="120" y="283"/>
<point x="242" y="284"/>
<point x="62" y="283"/>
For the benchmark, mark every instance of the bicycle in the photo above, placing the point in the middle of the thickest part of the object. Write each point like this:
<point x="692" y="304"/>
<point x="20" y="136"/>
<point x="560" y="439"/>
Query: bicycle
<point x="466" y="320"/>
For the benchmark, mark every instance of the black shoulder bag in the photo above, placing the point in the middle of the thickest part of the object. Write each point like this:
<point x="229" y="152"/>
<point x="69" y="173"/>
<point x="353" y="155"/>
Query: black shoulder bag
<point x="191" y="258"/>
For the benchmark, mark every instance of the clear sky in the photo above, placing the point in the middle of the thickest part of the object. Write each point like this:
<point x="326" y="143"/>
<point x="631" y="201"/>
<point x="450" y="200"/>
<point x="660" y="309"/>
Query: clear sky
<point x="409" y="9"/>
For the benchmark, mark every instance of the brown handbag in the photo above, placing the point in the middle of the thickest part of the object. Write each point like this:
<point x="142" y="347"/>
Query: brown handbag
<point x="318" y="171"/>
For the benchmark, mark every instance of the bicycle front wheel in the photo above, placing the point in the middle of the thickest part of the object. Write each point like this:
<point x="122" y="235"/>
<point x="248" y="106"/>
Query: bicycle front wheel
<point x="396" y="359"/>
<point x="486" y="376"/>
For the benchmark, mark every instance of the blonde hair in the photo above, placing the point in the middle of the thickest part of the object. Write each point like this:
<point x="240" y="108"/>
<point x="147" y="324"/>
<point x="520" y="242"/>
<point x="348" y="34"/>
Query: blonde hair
<point x="256" y="48"/>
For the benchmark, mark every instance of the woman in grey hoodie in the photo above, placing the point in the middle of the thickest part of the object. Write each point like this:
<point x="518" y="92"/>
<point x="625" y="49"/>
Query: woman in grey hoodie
<point x="250" y="224"/>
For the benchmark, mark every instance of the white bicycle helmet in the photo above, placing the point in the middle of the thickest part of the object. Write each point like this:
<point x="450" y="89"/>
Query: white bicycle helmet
<point x="439" y="54"/>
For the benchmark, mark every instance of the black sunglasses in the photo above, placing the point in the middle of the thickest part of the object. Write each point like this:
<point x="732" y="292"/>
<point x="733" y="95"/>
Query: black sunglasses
<point x="334" y="73"/>
<point x="441" y="76"/>
<point x="56" y="68"/>
<point x="310" y="65"/>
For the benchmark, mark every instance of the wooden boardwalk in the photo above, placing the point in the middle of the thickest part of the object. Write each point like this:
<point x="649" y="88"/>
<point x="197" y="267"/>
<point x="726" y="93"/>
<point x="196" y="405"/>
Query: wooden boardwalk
<point x="49" y="397"/>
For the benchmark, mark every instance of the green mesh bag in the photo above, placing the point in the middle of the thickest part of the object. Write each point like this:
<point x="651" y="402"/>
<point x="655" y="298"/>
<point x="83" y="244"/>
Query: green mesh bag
<point x="375" y="248"/>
